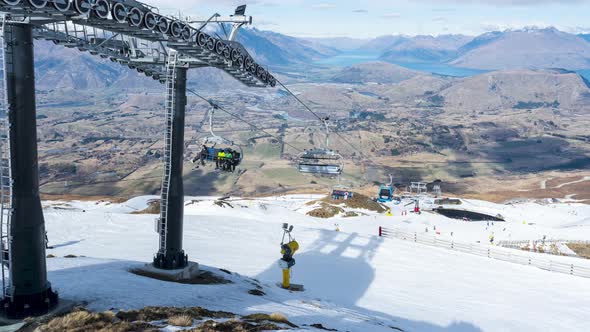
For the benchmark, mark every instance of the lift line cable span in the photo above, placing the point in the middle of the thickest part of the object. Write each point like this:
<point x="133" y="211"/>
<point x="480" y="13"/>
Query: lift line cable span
<point x="301" y="102"/>
<point x="321" y="119"/>
<point x="243" y="120"/>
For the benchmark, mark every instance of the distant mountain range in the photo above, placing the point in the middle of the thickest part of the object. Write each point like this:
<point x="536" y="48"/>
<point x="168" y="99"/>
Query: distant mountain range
<point x="400" y="49"/>
<point x="498" y="90"/>
<point x="59" y="67"/>
<point x="275" y="49"/>
<point x="530" y="48"/>
<point x="374" y="72"/>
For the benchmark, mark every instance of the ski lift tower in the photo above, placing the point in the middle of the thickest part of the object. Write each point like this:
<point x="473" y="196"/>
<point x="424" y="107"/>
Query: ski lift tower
<point x="418" y="188"/>
<point x="129" y="33"/>
<point x="170" y="255"/>
<point x="436" y="189"/>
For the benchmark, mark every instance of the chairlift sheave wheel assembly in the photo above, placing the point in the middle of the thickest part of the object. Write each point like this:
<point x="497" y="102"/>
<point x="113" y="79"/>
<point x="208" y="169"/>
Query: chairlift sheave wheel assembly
<point x="176" y="29"/>
<point x="163" y="25"/>
<point x="61" y="5"/>
<point x="219" y="47"/>
<point x="83" y="7"/>
<point x="135" y="17"/>
<point x="11" y="2"/>
<point x="202" y="39"/>
<point x="119" y="12"/>
<point x="102" y="9"/>
<point x="150" y="21"/>
<point x="38" y="4"/>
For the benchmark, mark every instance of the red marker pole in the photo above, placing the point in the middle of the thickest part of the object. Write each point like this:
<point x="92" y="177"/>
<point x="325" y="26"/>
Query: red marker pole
<point x="380" y="231"/>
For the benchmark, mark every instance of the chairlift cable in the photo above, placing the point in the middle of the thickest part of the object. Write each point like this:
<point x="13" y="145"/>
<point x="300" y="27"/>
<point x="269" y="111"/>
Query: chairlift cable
<point x="323" y="120"/>
<point x="217" y="106"/>
<point x="301" y="102"/>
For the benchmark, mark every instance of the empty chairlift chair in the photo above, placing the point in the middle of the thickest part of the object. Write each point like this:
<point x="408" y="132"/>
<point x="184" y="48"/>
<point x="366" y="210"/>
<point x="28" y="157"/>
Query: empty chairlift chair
<point x="320" y="161"/>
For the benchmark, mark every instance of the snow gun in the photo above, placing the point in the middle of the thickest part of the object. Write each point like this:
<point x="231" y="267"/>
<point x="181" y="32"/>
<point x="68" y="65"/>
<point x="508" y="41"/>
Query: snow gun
<point x="288" y="250"/>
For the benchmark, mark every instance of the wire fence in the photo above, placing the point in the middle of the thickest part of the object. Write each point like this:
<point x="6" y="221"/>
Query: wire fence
<point x="524" y="243"/>
<point x="502" y="254"/>
<point x="547" y="246"/>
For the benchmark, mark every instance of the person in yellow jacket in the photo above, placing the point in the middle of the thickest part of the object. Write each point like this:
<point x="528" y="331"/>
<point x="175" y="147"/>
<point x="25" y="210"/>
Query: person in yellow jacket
<point x="220" y="158"/>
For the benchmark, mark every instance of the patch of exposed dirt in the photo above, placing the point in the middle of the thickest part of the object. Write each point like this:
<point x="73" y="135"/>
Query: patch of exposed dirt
<point x="150" y="314"/>
<point x="325" y="211"/>
<point x="330" y="207"/>
<point x="256" y="292"/>
<point x="274" y="317"/>
<point x="81" y="320"/>
<point x="582" y="250"/>
<point x="89" y="198"/>
<point x="204" y="278"/>
<point x="153" y="208"/>
<point x="235" y="326"/>
<point x="322" y="327"/>
<point x="358" y="201"/>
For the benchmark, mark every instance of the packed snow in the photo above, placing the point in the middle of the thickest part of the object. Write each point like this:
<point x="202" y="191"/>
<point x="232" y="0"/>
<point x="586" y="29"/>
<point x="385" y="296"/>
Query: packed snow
<point x="354" y="280"/>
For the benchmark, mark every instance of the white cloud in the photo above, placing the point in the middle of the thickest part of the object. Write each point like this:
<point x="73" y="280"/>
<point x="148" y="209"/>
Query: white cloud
<point x="324" y="5"/>
<point x="391" y="15"/>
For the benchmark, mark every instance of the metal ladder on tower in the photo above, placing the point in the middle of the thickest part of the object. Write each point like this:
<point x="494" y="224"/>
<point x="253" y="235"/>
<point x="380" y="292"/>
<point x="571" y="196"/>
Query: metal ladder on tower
<point x="169" y="114"/>
<point x="5" y="170"/>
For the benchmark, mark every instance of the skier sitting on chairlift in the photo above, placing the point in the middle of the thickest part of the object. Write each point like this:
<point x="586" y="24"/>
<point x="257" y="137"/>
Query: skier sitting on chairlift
<point x="236" y="160"/>
<point x="220" y="159"/>
<point x="229" y="160"/>
<point x="202" y="156"/>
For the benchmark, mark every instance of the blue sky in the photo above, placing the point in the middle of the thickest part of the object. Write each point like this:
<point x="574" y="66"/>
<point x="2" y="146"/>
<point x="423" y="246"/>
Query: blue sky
<point x="371" y="18"/>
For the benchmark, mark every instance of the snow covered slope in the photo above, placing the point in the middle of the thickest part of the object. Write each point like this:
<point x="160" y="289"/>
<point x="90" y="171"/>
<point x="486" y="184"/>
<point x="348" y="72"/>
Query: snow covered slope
<point x="354" y="280"/>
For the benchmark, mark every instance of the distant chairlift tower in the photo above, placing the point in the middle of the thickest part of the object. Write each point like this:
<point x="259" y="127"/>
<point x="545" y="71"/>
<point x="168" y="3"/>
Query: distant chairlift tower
<point x="418" y="188"/>
<point x="436" y="189"/>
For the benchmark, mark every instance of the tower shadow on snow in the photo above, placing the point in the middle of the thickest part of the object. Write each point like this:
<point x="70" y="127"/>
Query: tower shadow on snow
<point x="335" y="255"/>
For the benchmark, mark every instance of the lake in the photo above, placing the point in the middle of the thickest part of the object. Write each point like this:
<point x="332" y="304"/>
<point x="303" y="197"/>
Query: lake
<point x="352" y="58"/>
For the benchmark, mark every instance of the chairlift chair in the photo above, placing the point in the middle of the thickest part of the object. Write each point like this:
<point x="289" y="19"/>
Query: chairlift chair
<point x="340" y="191"/>
<point x="321" y="161"/>
<point x="216" y="144"/>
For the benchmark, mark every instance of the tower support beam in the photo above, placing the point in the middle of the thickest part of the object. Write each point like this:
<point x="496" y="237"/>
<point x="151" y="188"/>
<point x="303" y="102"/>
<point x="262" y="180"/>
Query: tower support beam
<point x="29" y="292"/>
<point x="171" y="255"/>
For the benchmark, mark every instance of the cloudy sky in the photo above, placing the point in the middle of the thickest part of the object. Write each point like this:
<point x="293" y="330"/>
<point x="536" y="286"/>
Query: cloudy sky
<point x="371" y="18"/>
